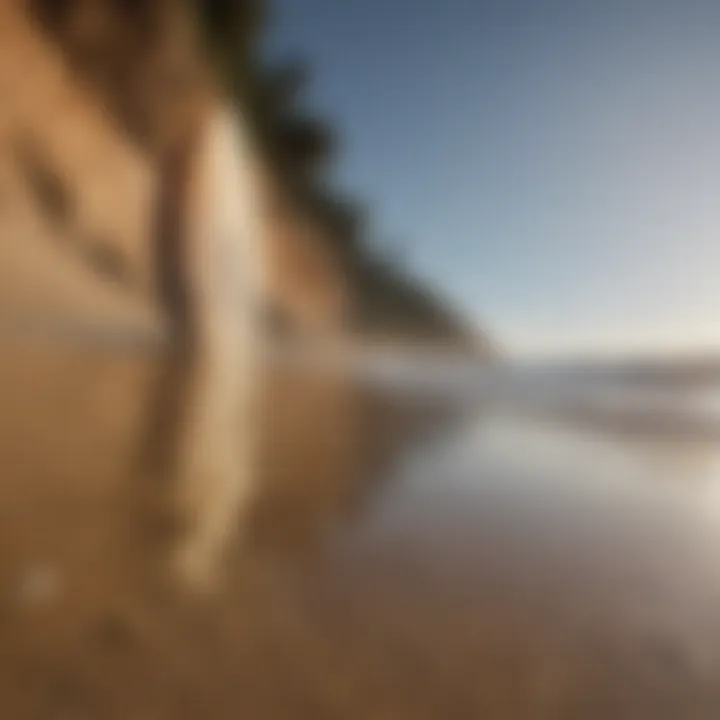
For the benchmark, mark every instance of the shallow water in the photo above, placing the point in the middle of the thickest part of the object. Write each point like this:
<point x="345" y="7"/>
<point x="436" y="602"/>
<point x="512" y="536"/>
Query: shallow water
<point x="374" y="556"/>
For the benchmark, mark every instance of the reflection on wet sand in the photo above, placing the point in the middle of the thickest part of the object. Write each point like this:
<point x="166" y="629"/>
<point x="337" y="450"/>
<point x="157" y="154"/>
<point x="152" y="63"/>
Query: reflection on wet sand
<point x="210" y="427"/>
<point x="364" y="564"/>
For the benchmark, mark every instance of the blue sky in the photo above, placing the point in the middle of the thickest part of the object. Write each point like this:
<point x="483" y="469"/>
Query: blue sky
<point x="553" y="166"/>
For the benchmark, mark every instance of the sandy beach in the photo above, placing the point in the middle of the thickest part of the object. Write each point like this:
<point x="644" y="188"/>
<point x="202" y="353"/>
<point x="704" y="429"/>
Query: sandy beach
<point x="391" y="560"/>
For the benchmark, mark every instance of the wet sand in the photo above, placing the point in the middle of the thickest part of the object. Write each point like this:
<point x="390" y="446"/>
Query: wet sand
<point x="388" y="560"/>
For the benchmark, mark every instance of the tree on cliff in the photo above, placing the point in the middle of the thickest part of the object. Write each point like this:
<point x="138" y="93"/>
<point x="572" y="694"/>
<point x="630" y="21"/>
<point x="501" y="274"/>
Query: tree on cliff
<point x="299" y="148"/>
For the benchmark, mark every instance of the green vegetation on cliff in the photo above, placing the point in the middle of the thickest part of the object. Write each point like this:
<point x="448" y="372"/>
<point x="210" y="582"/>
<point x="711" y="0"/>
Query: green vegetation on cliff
<point x="387" y="300"/>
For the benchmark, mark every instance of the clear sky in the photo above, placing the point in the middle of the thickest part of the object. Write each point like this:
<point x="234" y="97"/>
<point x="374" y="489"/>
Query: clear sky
<point x="554" y="166"/>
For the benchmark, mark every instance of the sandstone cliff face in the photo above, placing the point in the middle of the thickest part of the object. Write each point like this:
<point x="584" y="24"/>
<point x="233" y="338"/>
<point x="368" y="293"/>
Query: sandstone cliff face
<point x="307" y="286"/>
<point x="75" y="195"/>
<point x="80" y="182"/>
